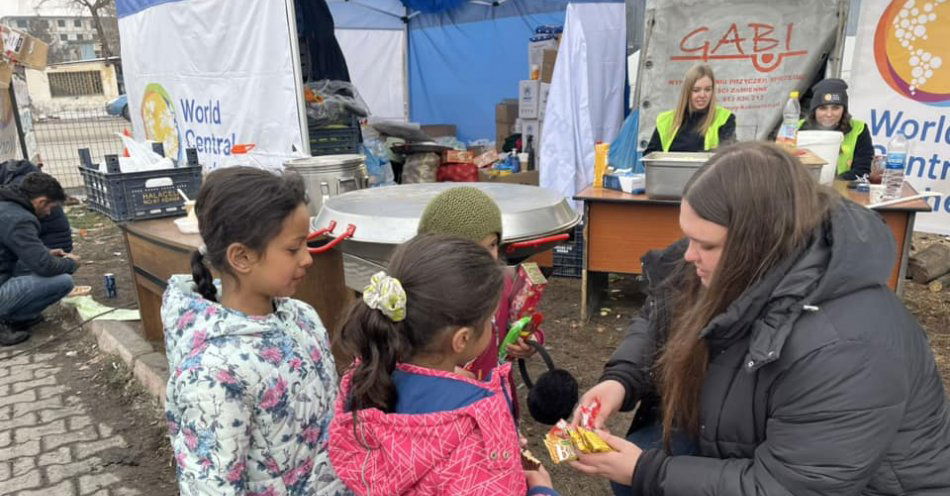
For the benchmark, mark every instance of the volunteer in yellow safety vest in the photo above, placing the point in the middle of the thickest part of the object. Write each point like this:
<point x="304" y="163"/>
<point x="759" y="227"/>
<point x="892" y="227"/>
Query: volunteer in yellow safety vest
<point x="697" y="124"/>
<point x="829" y="112"/>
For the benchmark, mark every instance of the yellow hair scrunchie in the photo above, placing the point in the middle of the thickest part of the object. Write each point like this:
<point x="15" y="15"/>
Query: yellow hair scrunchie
<point x="385" y="293"/>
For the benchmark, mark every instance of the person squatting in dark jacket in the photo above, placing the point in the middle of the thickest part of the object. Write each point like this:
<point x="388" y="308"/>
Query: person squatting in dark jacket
<point x="769" y="360"/>
<point x="55" y="231"/>
<point x="32" y="276"/>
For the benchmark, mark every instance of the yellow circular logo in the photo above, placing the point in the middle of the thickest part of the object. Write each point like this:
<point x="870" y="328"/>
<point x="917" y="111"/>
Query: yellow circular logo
<point x="161" y="123"/>
<point x="912" y="51"/>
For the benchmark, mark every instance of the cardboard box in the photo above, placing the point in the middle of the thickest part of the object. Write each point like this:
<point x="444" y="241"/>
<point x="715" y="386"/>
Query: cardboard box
<point x="531" y="127"/>
<point x="548" y="59"/>
<point x="528" y="98"/>
<point x="23" y="49"/>
<point x="506" y="115"/>
<point x="536" y="51"/>
<point x="506" y="111"/>
<point x="439" y="130"/>
<point x="530" y="178"/>
<point x="543" y="99"/>
<point x="6" y="74"/>
<point x="458" y="157"/>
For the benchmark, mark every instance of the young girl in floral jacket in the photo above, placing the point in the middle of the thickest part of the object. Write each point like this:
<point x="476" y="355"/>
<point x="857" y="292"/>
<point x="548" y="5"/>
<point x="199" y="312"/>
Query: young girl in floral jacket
<point x="405" y="422"/>
<point x="252" y="381"/>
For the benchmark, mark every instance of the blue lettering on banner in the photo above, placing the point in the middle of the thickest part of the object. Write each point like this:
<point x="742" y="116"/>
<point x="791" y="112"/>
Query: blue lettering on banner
<point x="887" y="124"/>
<point x="201" y="114"/>
<point x="934" y="167"/>
<point x="938" y="203"/>
<point x="210" y="143"/>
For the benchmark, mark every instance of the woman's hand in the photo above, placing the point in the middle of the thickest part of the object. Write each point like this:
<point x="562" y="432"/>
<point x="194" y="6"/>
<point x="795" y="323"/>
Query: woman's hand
<point x="618" y="465"/>
<point x="520" y="349"/>
<point x="610" y="393"/>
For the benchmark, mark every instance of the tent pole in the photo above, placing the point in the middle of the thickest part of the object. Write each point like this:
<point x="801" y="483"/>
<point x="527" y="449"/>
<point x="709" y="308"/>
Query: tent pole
<point x="298" y="75"/>
<point x="405" y="68"/>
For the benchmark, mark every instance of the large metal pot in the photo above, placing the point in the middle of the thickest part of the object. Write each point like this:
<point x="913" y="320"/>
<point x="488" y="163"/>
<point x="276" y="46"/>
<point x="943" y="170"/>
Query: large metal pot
<point x="329" y="175"/>
<point x="368" y="224"/>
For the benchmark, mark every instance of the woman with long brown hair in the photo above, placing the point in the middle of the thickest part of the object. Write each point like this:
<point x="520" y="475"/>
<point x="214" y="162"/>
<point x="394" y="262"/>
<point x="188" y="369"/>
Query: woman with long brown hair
<point x="769" y="359"/>
<point x="697" y="124"/>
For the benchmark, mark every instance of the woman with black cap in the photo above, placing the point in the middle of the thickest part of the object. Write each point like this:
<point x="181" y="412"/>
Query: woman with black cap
<point x="829" y="112"/>
<point x="697" y="124"/>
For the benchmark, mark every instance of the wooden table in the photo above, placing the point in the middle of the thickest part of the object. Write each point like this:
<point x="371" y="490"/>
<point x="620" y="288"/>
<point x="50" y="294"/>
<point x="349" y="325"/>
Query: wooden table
<point x="620" y="228"/>
<point x="157" y="249"/>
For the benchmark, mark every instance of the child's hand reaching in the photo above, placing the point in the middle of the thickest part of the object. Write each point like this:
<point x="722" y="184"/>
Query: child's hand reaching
<point x="520" y="349"/>
<point x="538" y="478"/>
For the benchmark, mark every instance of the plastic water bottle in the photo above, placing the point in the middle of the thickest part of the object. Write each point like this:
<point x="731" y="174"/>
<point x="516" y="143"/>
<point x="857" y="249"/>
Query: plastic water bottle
<point x="897" y="151"/>
<point x="788" y="133"/>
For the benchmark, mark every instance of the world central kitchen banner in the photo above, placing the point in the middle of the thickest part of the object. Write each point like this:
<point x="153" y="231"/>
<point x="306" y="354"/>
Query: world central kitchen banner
<point x="901" y="83"/>
<point x="210" y="74"/>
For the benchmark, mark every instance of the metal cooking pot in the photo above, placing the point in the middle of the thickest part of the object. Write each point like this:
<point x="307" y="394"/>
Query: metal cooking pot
<point x="329" y="175"/>
<point x="668" y="172"/>
<point x="370" y="223"/>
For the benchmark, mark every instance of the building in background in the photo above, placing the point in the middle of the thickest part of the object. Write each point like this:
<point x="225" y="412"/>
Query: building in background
<point x="71" y="38"/>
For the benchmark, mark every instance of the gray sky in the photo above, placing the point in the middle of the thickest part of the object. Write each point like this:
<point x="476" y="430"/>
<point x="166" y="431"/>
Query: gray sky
<point x="28" y="7"/>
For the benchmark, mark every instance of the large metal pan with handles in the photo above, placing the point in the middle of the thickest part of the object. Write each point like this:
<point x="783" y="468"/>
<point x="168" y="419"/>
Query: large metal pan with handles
<point x="370" y="223"/>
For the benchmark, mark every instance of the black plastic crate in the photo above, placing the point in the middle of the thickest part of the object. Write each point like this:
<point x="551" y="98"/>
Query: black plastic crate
<point x="569" y="257"/>
<point x="335" y="140"/>
<point x="138" y="195"/>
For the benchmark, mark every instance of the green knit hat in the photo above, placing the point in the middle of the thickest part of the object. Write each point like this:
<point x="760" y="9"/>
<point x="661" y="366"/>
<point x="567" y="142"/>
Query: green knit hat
<point x="465" y="212"/>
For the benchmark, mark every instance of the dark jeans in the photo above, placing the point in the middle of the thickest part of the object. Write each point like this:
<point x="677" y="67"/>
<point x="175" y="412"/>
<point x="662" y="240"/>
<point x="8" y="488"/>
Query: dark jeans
<point x="24" y="297"/>
<point x="651" y="437"/>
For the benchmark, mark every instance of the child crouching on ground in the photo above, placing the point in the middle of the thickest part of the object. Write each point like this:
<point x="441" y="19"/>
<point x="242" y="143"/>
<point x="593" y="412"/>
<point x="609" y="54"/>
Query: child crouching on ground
<point x="405" y="423"/>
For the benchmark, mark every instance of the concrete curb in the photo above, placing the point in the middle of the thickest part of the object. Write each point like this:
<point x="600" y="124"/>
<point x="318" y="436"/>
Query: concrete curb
<point x="149" y="367"/>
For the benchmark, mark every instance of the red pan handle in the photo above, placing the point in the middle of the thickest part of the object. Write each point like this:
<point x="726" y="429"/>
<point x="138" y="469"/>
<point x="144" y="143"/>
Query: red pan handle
<point x="537" y="242"/>
<point x="350" y="230"/>
<point x="320" y="232"/>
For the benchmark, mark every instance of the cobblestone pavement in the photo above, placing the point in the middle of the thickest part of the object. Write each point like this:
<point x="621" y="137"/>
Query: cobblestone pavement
<point x="64" y="430"/>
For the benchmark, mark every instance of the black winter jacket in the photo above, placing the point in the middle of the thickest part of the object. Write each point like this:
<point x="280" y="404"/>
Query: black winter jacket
<point x="20" y="241"/>
<point x="819" y="380"/>
<point x="55" y="231"/>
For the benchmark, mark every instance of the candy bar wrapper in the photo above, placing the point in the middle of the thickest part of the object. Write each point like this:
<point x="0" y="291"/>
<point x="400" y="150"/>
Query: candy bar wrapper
<point x="560" y="449"/>
<point x="592" y="442"/>
<point x="588" y="413"/>
<point x="564" y="443"/>
<point x="529" y="461"/>
<point x="528" y="288"/>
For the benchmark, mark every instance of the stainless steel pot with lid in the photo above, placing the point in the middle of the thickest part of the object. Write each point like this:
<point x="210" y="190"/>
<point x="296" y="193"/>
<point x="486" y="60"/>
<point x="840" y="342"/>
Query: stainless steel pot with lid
<point x="329" y="175"/>
<point x="370" y="223"/>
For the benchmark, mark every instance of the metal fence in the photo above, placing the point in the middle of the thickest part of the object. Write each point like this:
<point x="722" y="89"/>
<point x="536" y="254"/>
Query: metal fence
<point x="59" y="138"/>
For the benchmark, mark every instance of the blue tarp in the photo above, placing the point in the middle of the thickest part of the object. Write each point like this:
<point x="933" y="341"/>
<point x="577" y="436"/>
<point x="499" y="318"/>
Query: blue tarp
<point x="463" y="62"/>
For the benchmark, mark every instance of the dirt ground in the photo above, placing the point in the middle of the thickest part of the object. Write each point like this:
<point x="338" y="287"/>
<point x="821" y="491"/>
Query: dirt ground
<point x="580" y="348"/>
<point x="99" y="243"/>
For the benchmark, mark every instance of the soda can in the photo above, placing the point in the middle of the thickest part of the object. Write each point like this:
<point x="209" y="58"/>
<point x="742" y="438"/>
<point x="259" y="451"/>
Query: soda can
<point x="111" y="290"/>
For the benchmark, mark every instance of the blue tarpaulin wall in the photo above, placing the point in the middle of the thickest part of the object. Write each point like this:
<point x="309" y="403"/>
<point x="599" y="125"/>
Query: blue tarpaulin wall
<point x="463" y="61"/>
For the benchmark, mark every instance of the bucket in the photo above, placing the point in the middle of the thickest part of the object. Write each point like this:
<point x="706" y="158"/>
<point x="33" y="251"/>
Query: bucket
<point x="827" y="145"/>
<point x="329" y="175"/>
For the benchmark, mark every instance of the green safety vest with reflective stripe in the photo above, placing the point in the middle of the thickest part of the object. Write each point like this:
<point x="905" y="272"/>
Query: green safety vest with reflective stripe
<point x="846" y="155"/>
<point x="664" y="126"/>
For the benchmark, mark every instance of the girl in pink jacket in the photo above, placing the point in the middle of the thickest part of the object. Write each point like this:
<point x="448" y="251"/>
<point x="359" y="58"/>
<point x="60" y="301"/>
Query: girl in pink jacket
<point x="404" y="422"/>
